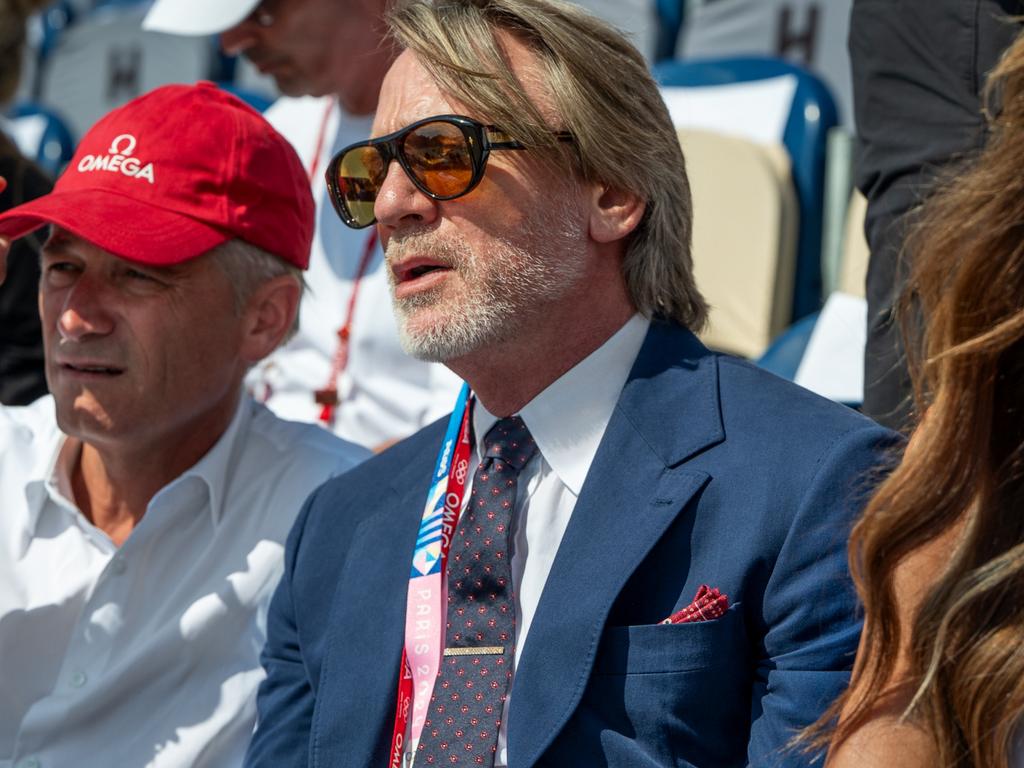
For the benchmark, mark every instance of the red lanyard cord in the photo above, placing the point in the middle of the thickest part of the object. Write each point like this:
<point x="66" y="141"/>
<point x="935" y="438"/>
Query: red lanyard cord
<point x="327" y="396"/>
<point x="320" y="136"/>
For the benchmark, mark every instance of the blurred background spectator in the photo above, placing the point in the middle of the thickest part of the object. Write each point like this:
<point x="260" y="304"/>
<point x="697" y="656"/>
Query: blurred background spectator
<point x="21" y="346"/>
<point x="919" y="67"/>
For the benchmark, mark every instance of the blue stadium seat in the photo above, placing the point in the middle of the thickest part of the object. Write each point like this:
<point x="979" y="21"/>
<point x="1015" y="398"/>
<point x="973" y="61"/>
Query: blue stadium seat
<point x="41" y="134"/>
<point x="825" y="350"/>
<point x="812" y="113"/>
<point x="785" y="353"/>
<point x="670" y="15"/>
<point x="53" y="20"/>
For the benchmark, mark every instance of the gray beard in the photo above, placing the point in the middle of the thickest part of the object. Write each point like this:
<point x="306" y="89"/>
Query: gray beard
<point x="504" y="288"/>
<point x="467" y="329"/>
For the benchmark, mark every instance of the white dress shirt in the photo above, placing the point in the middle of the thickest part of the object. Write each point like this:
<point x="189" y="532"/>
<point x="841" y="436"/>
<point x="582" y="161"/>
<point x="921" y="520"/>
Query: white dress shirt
<point x="147" y="654"/>
<point x="384" y="393"/>
<point x="567" y="421"/>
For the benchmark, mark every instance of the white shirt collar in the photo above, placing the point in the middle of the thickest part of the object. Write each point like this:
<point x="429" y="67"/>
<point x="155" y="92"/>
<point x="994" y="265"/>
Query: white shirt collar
<point x="53" y="475"/>
<point x="45" y="479"/>
<point x="568" y="419"/>
<point x="215" y="467"/>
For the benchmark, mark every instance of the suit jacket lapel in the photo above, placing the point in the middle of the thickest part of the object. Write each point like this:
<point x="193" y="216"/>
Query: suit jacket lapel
<point x="369" y="624"/>
<point x="636" y="487"/>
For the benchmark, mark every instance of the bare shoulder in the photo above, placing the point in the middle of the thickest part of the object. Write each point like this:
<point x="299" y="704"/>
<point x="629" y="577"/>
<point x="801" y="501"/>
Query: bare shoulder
<point x="885" y="738"/>
<point x="885" y="741"/>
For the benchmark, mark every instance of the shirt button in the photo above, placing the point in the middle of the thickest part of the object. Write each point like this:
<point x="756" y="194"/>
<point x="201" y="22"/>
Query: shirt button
<point x="118" y="565"/>
<point x="78" y="679"/>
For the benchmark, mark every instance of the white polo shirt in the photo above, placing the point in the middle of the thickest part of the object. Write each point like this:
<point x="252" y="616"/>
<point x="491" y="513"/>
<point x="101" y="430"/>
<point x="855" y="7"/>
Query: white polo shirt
<point x="147" y="654"/>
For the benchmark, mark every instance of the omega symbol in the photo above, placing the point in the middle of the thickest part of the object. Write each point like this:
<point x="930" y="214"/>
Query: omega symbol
<point x="116" y="145"/>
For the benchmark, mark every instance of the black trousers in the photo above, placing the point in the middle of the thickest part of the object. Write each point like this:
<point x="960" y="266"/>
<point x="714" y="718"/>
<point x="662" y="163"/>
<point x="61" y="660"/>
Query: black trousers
<point x="919" y="68"/>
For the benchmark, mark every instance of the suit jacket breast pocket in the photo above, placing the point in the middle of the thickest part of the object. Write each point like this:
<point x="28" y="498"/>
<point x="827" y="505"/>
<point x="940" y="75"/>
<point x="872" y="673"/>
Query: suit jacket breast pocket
<point x="679" y="694"/>
<point x="664" y="648"/>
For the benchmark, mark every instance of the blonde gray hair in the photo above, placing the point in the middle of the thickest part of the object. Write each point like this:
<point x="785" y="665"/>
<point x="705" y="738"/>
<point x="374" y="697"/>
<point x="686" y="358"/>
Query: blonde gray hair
<point x="601" y="89"/>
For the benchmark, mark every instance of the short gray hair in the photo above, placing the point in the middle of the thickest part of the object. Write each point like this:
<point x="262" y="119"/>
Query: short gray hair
<point x="606" y="98"/>
<point x="248" y="267"/>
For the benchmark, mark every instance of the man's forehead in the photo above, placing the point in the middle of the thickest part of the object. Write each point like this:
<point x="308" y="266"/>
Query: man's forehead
<point x="407" y="94"/>
<point x="410" y="93"/>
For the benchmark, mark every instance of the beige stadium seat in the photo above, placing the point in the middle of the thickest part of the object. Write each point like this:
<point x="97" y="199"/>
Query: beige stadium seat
<point x="853" y="264"/>
<point x="744" y="238"/>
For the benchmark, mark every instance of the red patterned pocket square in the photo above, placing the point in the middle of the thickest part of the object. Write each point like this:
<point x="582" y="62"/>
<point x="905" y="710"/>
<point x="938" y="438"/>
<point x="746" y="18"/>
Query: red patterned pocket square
<point x="707" y="605"/>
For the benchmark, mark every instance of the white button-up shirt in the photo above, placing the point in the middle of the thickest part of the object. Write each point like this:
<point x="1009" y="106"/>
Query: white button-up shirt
<point x="567" y="421"/>
<point x="385" y="394"/>
<point x="147" y="654"/>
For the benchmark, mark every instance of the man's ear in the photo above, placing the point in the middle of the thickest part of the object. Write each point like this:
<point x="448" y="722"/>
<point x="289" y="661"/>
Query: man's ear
<point x="268" y="316"/>
<point x="614" y="213"/>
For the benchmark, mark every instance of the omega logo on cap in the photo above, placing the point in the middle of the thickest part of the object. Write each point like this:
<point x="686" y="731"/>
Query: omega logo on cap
<point x="129" y="141"/>
<point x="118" y="158"/>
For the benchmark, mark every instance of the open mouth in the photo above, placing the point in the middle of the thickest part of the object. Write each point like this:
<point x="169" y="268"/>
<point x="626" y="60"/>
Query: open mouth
<point x="420" y="271"/>
<point x="415" y="269"/>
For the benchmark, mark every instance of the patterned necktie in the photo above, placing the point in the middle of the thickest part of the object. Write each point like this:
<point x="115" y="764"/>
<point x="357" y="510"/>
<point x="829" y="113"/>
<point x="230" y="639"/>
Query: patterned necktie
<point x="465" y="712"/>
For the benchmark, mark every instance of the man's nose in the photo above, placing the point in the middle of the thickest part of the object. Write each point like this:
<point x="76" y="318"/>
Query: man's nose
<point x="400" y="203"/>
<point x="239" y="38"/>
<point x="85" y="312"/>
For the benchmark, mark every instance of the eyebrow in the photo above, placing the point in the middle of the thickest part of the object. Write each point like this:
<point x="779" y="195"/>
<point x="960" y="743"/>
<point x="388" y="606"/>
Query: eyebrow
<point x="58" y="243"/>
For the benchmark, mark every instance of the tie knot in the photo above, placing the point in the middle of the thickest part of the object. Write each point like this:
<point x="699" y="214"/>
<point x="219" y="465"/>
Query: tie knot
<point x="510" y="441"/>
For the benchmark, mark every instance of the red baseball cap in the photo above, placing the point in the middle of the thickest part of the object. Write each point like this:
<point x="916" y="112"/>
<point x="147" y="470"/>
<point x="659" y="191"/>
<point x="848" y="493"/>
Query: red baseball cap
<point x="174" y="173"/>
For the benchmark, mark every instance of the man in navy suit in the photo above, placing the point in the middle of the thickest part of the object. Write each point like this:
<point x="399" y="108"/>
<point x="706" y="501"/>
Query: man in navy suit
<point x="530" y="191"/>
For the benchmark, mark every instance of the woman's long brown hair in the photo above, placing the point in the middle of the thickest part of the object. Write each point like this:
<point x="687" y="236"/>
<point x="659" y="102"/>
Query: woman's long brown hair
<point x="964" y="471"/>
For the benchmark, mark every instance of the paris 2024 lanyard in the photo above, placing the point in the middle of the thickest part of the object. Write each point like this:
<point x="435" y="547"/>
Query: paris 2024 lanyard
<point x="425" y="608"/>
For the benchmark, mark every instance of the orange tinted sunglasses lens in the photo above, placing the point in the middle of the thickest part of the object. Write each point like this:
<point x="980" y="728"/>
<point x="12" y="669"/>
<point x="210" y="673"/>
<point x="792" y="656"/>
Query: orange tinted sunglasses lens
<point x="360" y="176"/>
<point x="438" y="155"/>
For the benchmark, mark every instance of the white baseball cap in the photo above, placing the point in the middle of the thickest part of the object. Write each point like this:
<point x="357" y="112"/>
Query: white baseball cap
<point x="197" y="17"/>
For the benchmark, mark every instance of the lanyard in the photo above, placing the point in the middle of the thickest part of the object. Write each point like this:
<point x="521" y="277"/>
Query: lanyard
<point x="321" y="134"/>
<point x="425" y="608"/>
<point x="327" y="396"/>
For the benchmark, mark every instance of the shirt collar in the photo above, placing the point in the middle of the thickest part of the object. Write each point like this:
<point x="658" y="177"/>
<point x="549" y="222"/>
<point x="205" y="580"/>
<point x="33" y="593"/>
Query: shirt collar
<point x="51" y="477"/>
<point x="214" y="468"/>
<point x="568" y="419"/>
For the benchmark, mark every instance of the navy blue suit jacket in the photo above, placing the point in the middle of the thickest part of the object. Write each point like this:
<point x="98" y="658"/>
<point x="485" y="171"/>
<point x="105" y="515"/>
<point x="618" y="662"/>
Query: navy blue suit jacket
<point x="711" y="472"/>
